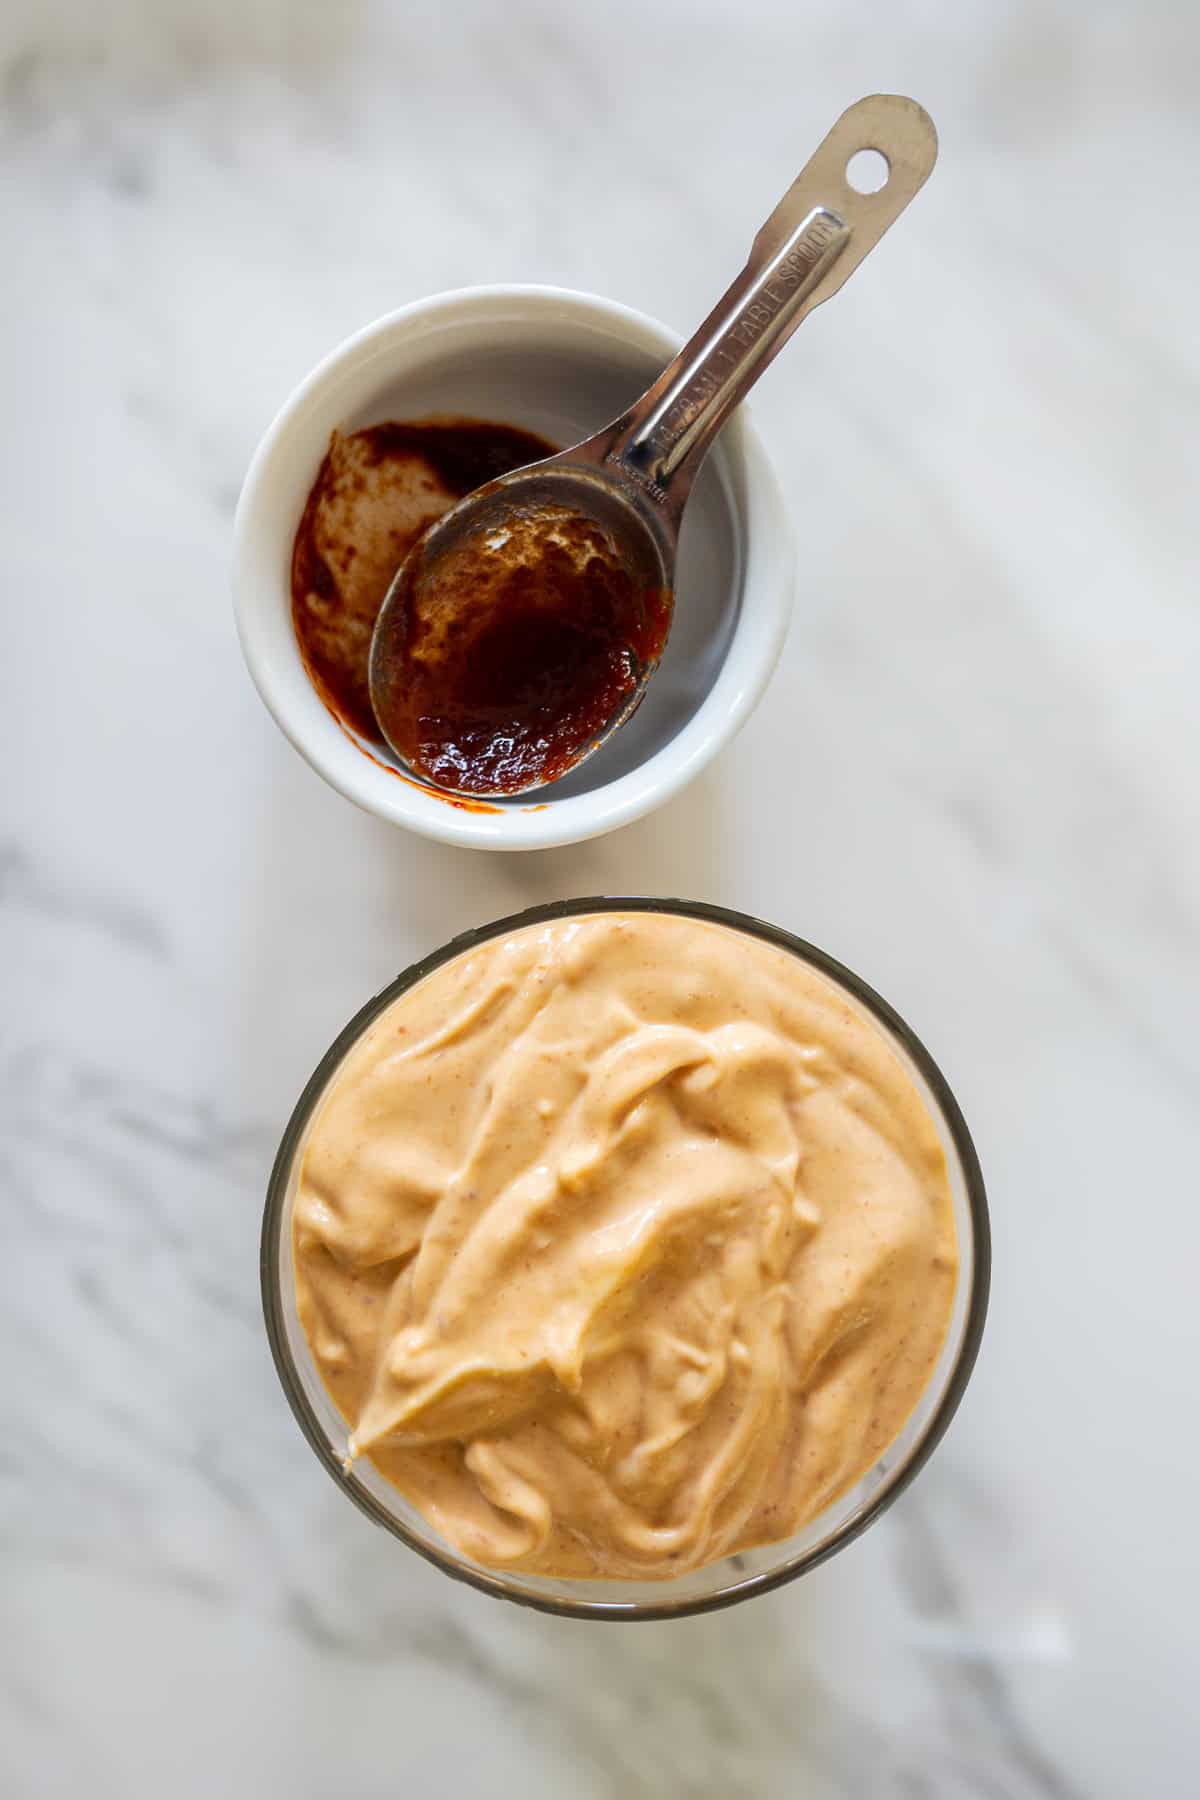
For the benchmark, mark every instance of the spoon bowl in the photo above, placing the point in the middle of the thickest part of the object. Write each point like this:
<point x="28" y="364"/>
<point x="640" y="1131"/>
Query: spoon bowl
<point x="539" y="684"/>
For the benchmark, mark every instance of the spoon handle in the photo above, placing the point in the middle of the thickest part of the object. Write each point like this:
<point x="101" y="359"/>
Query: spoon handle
<point x="810" y="245"/>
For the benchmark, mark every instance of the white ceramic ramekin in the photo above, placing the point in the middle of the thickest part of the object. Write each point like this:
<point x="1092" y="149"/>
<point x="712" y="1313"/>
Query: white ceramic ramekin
<point x="560" y="363"/>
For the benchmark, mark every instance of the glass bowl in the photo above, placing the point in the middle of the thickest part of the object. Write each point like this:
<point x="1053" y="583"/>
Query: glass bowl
<point x="735" y="1577"/>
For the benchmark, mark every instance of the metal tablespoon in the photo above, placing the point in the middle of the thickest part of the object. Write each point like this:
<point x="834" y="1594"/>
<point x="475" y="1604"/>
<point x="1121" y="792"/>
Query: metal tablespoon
<point x="619" y="494"/>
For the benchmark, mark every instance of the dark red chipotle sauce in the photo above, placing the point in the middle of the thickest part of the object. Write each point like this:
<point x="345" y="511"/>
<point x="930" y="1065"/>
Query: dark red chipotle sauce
<point x="374" y="494"/>
<point x="518" y="649"/>
<point x="520" y="644"/>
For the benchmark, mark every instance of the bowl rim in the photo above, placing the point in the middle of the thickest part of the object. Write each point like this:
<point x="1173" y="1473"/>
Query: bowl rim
<point x="753" y="650"/>
<point x="495" y="1583"/>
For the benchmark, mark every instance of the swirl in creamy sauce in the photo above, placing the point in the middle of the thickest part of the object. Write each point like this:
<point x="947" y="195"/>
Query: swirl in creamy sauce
<point x="623" y="1243"/>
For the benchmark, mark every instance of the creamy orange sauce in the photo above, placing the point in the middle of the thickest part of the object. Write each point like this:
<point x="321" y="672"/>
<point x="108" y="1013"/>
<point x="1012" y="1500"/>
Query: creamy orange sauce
<point x="623" y="1243"/>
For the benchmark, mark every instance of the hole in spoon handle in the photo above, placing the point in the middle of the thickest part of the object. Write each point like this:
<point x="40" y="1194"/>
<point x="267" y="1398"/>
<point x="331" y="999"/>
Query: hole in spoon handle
<point x="812" y="243"/>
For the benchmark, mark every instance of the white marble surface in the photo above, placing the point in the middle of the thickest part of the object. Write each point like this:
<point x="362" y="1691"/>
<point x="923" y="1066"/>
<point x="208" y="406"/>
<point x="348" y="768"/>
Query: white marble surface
<point x="975" y="779"/>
